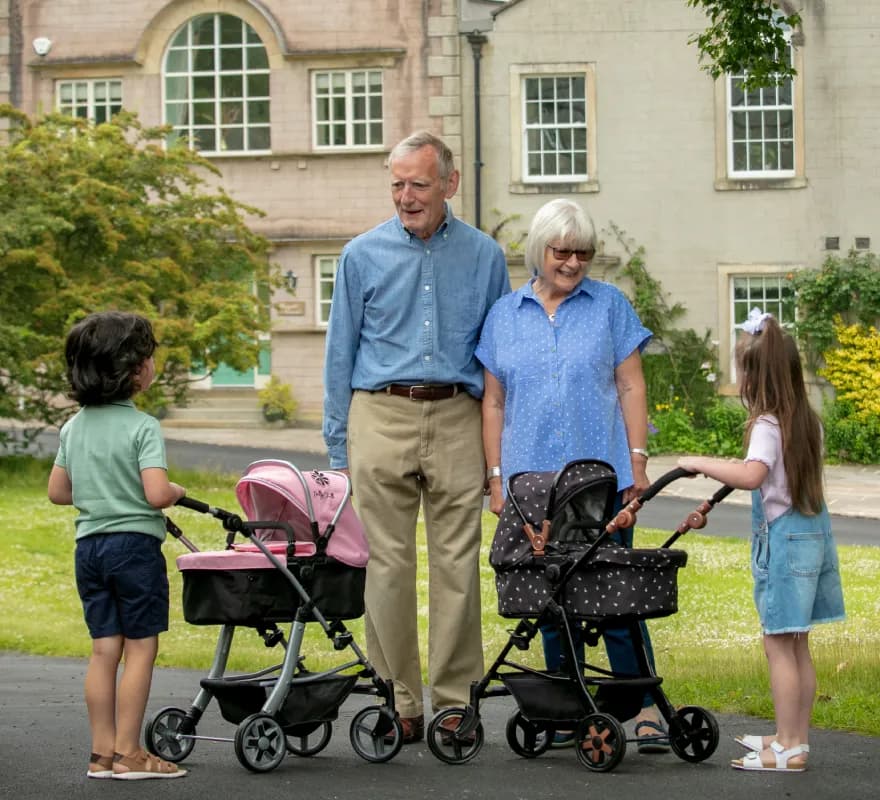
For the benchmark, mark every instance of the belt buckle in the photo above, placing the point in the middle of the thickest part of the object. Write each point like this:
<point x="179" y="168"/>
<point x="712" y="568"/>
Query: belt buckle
<point x="412" y="388"/>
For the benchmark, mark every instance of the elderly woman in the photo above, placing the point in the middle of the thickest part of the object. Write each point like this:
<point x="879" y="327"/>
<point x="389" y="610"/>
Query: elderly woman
<point x="563" y="381"/>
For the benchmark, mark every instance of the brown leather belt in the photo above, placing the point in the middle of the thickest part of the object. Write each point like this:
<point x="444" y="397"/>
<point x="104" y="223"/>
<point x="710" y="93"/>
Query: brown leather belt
<point x="428" y="391"/>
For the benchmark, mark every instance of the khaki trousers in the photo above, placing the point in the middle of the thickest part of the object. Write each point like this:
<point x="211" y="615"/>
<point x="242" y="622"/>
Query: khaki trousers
<point x="402" y="454"/>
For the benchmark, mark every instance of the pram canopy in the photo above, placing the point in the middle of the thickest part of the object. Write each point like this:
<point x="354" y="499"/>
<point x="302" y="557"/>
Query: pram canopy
<point x="315" y="504"/>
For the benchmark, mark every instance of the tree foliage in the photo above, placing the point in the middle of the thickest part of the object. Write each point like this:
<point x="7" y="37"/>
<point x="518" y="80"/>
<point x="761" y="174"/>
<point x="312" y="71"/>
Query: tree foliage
<point x="848" y="288"/>
<point x="745" y="35"/>
<point x="96" y="217"/>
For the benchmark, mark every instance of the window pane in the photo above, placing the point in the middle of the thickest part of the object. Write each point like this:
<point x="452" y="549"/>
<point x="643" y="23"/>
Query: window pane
<point x="376" y="133"/>
<point x="376" y="107"/>
<point x="322" y="109"/>
<point x="177" y="61"/>
<point x="258" y="138"/>
<point x="257" y="58"/>
<point x="176" y="88"/>
<point x="203" y="30"/>
<point x="322" y="82"/>
<point x="205" y="138"/>
<point x="203" y="60"/>
<point x="230" y="29"/>
<point x="258" y="85"/>
<point x="338" y="134"/>
<point x="531" y="91"/>
<point x="203" y="87"/>
<point x="231" y="58"/>
<point x="232" y="113"/>
<point x="359" y="108"/>
<point x="258" y="111"/>
<point x="204" y="113"/>
<point x="359" y="133"/>
<point x="176" y="113"/>
<point x="231" y="86"/>
<point x="786" y="155"/>
<point x="232" y="138"/>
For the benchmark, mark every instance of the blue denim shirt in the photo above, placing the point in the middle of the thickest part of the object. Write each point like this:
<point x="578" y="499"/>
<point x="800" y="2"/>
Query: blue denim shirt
<point x="407" y="311"/>
<point x="560" y="398"/>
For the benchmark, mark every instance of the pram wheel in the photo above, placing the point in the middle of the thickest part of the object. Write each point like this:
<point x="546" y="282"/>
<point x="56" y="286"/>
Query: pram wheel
<point x="600" y="742"/>
<point x="162" y="734"/>
<point x="694" y="735"/>
<point x="526" y="738"/>
<point x="300" y="744"/>
<point x="448" y="747"/>
<point x="376" y="740"/>
<point x="260" y="743"/>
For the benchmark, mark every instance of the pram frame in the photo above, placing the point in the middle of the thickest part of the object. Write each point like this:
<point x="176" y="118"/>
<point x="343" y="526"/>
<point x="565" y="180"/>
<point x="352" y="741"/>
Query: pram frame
<point x="376" y="733"/>
<point x="599" y="737"/>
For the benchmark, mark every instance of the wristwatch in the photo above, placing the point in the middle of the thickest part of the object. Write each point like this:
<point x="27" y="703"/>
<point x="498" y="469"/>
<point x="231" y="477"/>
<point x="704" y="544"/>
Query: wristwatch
<point x="639" y="451"/>
<point x="493" y="472"/>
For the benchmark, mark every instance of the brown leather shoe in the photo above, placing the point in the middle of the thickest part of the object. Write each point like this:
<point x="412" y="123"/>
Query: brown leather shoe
<point x="413" y="728"/>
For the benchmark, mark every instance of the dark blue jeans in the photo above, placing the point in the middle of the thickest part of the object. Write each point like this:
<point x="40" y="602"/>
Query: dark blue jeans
<point x="618" y="641"/>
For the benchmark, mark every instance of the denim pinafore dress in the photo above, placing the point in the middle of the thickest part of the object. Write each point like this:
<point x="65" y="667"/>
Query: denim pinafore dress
<point x="796" y="570"/>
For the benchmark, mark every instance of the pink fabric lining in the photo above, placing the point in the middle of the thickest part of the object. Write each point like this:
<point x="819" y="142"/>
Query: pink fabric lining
<point x="243" y="556"/>
<point x="271" y="491"/>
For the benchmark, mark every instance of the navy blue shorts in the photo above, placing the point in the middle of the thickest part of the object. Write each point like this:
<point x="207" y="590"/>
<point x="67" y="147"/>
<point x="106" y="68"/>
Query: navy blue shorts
<point x="123" y="584"/>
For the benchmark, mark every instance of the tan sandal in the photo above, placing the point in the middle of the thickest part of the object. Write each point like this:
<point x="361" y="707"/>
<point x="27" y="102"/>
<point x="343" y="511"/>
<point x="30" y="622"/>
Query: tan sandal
<point x="142" y="765"/>
<point x="100" y="766"/>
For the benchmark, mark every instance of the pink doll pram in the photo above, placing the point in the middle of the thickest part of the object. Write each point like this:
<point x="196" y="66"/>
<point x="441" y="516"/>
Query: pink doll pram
<point x="303" y="561"/>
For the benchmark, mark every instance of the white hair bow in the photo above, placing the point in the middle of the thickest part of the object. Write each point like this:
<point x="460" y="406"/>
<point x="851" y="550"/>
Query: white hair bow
<point x="755" y="322"/>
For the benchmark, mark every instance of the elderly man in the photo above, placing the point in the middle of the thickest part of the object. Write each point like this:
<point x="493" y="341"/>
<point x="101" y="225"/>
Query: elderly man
<point x="402" y="412"/>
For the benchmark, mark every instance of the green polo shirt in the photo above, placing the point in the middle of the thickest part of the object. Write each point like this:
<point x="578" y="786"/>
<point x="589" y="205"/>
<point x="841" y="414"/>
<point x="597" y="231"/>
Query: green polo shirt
<point x="103" y="449"/>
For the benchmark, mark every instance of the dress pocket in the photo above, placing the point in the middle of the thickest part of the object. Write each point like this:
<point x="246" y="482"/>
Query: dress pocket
<point x="760" y="552"/>
<point x="806" y="552"/>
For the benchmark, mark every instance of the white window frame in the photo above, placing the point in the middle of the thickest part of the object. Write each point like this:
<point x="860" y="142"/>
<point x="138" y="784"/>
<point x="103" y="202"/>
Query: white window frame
<point x="729" y="179"/>
<point x="770" y="105"/>
<point x="322" y="303"/>
<point x="733" y="311"/>
<point x="349" y="95"/>
<point x="90" y="102"/>
<point x="521" y="181"/>
<point x="239" y="109"/>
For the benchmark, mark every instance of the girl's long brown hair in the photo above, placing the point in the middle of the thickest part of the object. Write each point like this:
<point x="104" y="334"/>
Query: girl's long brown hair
<point x="773" y="383"/>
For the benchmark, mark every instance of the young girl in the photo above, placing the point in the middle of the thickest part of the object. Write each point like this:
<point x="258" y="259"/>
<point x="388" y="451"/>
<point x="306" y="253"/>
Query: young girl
<point x="794" y="560"/>
<point x="111" y="466"/>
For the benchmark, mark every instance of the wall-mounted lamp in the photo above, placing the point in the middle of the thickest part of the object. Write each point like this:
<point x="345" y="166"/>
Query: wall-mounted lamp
<point x="290" y="280"/>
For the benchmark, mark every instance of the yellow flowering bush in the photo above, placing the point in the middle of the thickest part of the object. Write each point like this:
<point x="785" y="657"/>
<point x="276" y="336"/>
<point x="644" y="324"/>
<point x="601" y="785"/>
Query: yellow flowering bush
<point x="853" y="368"/>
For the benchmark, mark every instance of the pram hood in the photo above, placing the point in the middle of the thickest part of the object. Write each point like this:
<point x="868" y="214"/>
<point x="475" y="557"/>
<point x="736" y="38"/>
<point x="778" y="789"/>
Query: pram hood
<point x="582" y="490"/>
<point x="315" y="504"/>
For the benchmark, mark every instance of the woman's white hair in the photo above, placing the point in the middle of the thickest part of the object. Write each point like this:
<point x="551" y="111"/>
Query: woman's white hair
<point x="559" y="222"/>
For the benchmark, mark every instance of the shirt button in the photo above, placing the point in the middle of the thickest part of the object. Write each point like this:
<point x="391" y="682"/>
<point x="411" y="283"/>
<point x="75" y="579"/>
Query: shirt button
<point x="427" y="287"/>
<point x="427" y="322"/>
<point x="427" y="358"/>
<point x="428" y="251"/>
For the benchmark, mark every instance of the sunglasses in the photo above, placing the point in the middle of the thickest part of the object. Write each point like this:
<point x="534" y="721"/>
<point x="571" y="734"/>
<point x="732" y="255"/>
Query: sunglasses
<point x="563" y="254"/>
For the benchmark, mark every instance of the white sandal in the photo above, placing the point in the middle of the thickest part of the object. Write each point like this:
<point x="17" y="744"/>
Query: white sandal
<point x="755" y="742"/>
<point x="752" y="760"/>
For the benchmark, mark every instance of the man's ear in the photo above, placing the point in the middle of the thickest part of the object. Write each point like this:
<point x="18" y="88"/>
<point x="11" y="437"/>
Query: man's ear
<point x="452" y="183"/>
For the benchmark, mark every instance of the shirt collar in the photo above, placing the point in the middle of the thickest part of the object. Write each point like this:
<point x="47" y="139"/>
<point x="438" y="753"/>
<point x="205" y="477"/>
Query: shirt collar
<point x="447" y="223"/>
<point x="528" y="290"/>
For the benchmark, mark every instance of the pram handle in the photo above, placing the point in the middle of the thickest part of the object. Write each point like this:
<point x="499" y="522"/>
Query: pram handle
<point x="663" y="481"/>
<point x="194" y="505"/>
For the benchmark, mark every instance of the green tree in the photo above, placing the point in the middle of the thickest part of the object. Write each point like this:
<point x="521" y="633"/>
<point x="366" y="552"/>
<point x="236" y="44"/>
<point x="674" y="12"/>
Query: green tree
<point x="745" y="35"/>
<point x="94" y="217"/>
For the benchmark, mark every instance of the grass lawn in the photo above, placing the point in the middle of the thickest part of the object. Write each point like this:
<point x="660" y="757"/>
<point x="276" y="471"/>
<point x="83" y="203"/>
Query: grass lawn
<point x="709" y="653"/>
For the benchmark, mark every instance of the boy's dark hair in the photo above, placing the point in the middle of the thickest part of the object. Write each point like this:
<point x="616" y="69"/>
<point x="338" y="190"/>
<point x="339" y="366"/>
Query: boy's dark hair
<point x="102" y="352"/>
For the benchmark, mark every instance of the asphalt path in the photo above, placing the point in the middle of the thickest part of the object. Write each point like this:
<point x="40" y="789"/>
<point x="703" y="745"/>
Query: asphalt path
<point x="663" y="512"/>
<point x="44" y="746"/>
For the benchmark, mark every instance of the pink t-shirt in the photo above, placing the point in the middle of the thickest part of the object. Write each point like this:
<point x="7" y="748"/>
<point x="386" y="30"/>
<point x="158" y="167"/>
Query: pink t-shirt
<point x="765" y="445"/>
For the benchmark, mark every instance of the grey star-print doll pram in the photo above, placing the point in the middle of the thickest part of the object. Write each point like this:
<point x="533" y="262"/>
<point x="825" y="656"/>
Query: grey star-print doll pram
<point x="556" y="564"/>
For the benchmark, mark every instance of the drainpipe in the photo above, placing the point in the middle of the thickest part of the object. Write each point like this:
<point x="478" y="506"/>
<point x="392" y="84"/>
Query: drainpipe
<point x="477" y="40"/>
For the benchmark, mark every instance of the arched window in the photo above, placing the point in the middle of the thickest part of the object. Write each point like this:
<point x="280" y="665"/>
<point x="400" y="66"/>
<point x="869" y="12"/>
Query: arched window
<point x="216" y="83"/>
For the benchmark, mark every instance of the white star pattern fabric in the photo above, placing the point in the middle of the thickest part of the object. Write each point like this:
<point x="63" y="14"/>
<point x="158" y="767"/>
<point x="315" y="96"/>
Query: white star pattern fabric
<point x="613" y="583"/>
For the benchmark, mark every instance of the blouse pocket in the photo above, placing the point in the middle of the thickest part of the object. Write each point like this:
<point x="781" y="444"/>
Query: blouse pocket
<point x="806" y="552"/>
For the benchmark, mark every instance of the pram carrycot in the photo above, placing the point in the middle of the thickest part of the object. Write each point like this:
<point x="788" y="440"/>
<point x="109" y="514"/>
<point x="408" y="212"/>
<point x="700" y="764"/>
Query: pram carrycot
<point x="304" y="561"/>
<point x="556" y="565"/>
<point x="574" y="505"/>
<point x="242" y="587"/>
